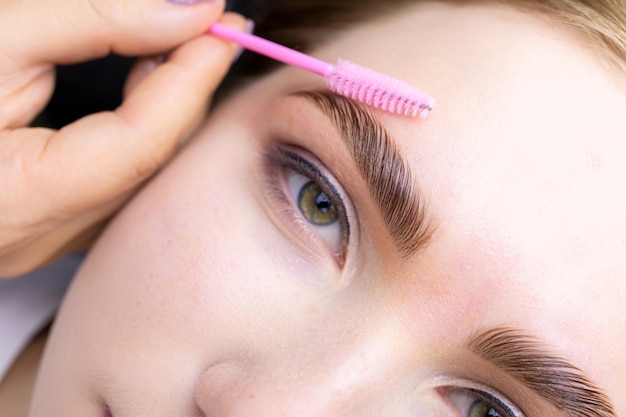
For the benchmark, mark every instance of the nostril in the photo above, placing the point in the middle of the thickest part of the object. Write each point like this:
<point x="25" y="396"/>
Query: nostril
<point x="107" y="411"/>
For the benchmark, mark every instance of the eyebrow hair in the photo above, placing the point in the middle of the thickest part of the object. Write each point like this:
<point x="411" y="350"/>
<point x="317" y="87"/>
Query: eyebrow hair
<point x="386" y="172"/>
<point x="559" y="382"/>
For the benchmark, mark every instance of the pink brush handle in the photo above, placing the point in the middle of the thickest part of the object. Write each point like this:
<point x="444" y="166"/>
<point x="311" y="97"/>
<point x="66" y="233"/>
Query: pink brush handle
<point x="271" y="49"/>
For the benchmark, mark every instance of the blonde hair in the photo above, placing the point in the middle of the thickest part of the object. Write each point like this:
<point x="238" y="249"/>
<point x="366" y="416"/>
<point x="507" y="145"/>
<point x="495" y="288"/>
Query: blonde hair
<point x="602" y="23"/>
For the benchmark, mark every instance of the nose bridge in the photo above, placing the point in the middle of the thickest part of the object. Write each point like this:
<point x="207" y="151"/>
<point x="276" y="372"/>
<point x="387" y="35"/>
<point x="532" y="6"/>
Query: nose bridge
<point x="351" y="380"/>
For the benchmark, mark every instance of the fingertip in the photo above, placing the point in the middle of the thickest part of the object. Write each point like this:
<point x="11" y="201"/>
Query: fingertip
<point x="209" y="54"/>
<point x="235" y="20"/>
<point x="238" y="22"/>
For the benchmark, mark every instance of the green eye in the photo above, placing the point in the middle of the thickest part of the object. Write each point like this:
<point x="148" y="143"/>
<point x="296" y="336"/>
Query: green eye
<point x="481" y="409"/>
<point x="319" y="210"/>
<point x="481" y="401"/>
<point x="315" y="205"/>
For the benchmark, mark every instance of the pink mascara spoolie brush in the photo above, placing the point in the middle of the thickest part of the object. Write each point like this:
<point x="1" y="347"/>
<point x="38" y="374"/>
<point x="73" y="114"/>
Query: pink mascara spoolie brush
<point x="345" y="78"/>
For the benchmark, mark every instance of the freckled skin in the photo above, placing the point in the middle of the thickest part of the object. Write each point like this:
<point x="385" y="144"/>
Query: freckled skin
<point x="198" y="297"/>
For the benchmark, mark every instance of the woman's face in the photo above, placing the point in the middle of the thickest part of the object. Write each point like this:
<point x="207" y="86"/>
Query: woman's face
<point x="295" y="261"/>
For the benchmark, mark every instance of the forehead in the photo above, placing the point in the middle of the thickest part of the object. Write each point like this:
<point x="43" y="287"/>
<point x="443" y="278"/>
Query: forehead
<point x="526" y="142"/>
<point x="522" y="165"/>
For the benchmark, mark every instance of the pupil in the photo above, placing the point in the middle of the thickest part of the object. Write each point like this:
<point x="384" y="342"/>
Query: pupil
<point x="315" y="205"/>
<point x="323" y="203"/>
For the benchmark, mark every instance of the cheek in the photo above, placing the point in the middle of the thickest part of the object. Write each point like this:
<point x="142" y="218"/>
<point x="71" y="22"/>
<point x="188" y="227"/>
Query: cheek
<point x="167" y="273"/>
<point x="179" y="251"/>
<point x="193" y="266"/>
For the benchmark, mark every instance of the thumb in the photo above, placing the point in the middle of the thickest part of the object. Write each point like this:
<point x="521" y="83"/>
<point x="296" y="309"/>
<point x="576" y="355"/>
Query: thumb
<point x="70" y="31"/>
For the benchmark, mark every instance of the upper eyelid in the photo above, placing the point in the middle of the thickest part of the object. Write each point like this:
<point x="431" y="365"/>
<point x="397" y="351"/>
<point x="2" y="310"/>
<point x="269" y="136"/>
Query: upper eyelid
<point x="292" y="157"/>
<point x="311" y="169"/>
<point x="470" y="385"/>
<point x="498" y="398"/>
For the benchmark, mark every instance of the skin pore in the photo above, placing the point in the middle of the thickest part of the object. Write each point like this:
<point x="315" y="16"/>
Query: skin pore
<point x="212" y="295"/>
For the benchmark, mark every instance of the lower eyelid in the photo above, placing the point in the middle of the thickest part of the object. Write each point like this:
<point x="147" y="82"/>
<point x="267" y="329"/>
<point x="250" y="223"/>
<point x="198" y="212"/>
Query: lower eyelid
<point x="285" y="206"/>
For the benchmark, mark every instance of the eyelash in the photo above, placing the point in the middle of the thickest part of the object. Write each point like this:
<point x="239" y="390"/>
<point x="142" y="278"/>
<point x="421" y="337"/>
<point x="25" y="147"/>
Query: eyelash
<point x="282" y="158"/>
<point x="476" y="394"/>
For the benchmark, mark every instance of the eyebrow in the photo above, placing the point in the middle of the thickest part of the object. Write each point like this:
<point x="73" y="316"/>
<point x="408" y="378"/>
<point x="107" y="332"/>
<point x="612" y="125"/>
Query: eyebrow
<point x="556" y="380"/>
<point x="386" y="172"/>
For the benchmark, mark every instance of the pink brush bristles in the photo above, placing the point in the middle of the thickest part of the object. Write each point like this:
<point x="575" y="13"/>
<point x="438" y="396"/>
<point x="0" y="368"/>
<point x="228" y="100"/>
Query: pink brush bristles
<point x="345" y="78"/>
<point x="378" y="90"/>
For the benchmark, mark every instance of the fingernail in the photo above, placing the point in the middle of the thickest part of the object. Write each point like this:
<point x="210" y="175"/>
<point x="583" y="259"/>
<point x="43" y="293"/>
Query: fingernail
<point x="191" y="1"/>
<point x="249" y="29"/>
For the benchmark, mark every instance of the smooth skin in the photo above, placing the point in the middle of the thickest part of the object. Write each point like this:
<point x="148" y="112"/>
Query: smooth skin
<point x="209" y="296"/>
<point x="58" y="185"/>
